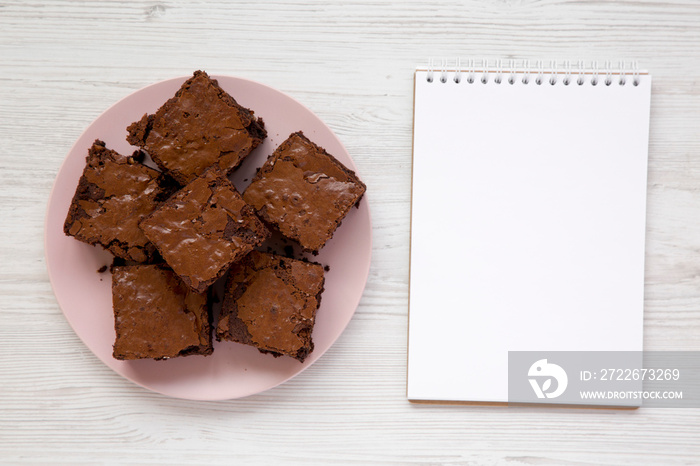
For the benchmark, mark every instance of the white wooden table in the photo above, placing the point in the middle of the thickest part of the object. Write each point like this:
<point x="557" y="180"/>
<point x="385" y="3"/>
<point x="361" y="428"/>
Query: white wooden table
<point x="63" y="63"/>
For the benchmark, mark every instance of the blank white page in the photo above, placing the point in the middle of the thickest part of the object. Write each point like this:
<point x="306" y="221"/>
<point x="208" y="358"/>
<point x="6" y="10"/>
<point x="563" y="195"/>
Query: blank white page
<point x="527" y="226"/>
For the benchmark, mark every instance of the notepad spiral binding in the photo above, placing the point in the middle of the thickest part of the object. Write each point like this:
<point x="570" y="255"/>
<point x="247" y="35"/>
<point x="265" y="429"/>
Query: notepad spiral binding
<point x="552" y="72"/>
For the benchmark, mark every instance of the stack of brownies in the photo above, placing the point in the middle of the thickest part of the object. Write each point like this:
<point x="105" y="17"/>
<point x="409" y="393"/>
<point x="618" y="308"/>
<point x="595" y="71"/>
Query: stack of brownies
<point x="180" y="229"/>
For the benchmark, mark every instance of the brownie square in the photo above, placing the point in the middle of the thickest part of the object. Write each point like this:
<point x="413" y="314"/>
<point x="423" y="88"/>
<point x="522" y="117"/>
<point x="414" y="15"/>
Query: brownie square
<point x="270" y="303"/>
<point x="200" y="126"/>
<point x="156" y="316"/>
<point x="204" y="228"/>
<point x="304" y="192"/>
<point x="114" y="193"/>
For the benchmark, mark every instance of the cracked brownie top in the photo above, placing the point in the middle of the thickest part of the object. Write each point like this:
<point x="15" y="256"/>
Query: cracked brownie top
<point x="156" y="315"/>
<point x="271" y="303"/>
<point x="114" y="194"/>
<point x="304" y="192"/>
<point x="201" y="125"/>
<point x="204" y="228"/>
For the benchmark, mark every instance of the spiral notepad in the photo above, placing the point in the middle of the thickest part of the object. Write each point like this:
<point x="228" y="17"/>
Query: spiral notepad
<point x="528" y="219"/>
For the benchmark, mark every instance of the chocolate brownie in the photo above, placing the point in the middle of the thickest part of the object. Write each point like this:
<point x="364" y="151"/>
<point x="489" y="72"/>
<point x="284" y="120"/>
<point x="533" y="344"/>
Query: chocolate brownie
<point x="156" y="316"/>
<point x="304" y="192"/>
<point x="270" y="303"/>
<point x="114" y="193"/>
<point x="200" y="126"/>
<point x="204" y="228"/>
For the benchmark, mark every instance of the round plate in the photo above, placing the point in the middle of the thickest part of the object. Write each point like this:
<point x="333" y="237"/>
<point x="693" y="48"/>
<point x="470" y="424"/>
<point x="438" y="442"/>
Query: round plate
<point x="234" y="370"/>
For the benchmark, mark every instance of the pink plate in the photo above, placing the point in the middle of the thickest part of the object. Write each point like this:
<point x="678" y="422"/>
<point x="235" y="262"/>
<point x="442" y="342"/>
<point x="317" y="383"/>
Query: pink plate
<point x="234" y="370"/>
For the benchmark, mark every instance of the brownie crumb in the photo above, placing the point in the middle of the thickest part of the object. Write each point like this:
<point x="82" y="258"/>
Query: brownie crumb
<point x="327" y="268"/>
<point x="102" y="269"/>
<point x="117" y="262"/>
<point x="137" y="157"/>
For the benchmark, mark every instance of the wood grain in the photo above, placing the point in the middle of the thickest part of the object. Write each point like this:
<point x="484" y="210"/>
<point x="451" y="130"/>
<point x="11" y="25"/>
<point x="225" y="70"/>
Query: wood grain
<point x="63" y="63"/>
